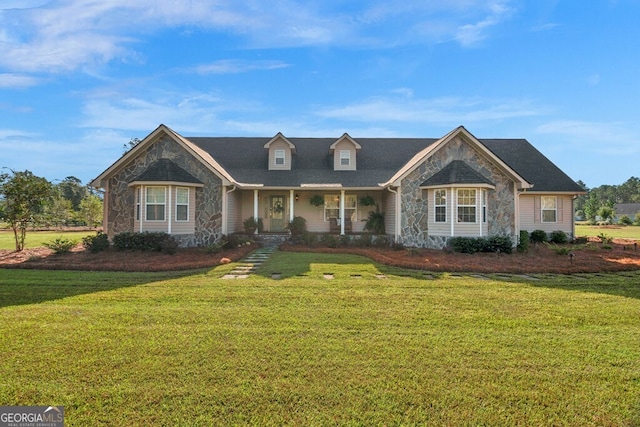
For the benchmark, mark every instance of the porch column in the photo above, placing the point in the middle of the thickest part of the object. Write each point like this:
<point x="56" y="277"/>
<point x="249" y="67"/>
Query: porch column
<point x="341" y="212"/>
<point x="169" y="211"/>
<point x="255" y="207"/>
<point x="453" y="211"/>
<point x="291" y="204"/>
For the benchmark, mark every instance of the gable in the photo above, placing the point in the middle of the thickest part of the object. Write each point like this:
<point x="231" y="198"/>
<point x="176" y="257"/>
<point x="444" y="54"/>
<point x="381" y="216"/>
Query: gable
<point x="281" y="152"/>
<point x="457" y="172"/>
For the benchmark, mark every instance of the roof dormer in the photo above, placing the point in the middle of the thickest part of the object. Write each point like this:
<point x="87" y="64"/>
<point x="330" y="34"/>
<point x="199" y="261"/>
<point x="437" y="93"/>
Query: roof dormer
<point x="281" y="151"/>
<point x="344" y="153"/>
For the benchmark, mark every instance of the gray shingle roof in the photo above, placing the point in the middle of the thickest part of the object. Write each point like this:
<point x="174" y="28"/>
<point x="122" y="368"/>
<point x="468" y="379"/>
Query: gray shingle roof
<point x="164" y="170"/>
<point x="456" y="172"/>
<point x="246" y="160"/>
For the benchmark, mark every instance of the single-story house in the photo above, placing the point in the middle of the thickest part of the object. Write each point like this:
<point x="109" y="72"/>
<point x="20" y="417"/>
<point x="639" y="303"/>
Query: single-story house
<point x="429" y="189"/>
<point x="626" y="209"/>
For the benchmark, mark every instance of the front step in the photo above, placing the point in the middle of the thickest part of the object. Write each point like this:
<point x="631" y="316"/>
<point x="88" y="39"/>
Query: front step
<point x="271" y="240"/>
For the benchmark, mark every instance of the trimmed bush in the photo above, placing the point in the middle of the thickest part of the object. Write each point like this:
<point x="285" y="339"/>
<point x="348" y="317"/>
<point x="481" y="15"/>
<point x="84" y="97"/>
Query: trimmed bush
<point x="558" y="237"/>
<point x="145" y="241"/>
<point x="625" y="220"/>
<point x="523" y="244"/>
<point x="471" y="245"/>
<point x="538" y="236"/>
<point x="97" y="243"/>
<point x="297" y="225"/>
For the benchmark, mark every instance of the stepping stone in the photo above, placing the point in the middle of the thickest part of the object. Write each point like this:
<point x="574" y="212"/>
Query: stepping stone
<point x="328" y="276"/>
<point x="380" y="276"/>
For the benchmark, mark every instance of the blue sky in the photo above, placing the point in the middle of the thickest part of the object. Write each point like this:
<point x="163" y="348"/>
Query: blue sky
<point x="80" y="78"/>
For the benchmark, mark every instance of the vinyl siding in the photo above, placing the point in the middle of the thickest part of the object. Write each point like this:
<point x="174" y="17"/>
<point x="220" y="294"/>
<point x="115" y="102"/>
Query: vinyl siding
<point x="529" y="205"/>
<point x="234" y="212"/>
<point x="278" y="145"/>
<point x="389" y="209"/>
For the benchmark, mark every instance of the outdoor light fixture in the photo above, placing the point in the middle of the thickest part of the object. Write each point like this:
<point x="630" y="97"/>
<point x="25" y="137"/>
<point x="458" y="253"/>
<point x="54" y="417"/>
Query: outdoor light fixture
<point x="297" y="197"/>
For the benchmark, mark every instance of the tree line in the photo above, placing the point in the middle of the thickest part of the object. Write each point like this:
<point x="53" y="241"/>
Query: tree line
<point x="29" y="201"/>
<point x="599" y="201"/>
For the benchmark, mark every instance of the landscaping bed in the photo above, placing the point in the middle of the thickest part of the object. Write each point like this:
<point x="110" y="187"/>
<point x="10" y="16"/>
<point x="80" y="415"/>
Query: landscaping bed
<point x="592" y="257"/>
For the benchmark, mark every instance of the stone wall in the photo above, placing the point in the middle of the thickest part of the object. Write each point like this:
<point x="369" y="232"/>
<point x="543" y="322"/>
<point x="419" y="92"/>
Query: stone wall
<point x="500" y="201"/>
<point x="208" y="205"/>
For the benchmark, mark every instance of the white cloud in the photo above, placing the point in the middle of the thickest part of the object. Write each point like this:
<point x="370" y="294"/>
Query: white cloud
<point x="231" y="66"/>
<point x="446" y="111"/>
<point x="600" y="137"/>
<point x="17" y="81"/>
<point x="67" y="35"/>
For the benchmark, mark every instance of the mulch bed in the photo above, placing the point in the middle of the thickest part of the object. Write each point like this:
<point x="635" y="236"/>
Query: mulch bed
<point x="540" y="259"/>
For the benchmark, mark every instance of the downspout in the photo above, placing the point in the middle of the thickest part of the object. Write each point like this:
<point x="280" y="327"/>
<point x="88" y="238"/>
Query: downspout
<point x="225" y="209"/>
<point x="396" y="231"/>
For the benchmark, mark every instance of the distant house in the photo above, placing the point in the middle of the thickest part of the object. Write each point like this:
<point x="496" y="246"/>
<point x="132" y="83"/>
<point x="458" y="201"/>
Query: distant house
<point x="429" y="189"/>
<point x="628" y="209"/>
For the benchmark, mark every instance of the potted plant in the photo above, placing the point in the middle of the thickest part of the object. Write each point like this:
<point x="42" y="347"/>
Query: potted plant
<point x="316" y="200"/>
<point x="250" y="225"/>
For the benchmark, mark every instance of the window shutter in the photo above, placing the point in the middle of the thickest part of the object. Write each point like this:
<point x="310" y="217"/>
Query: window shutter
<point x="559" y="208"/>
<point x="536" y="209"/>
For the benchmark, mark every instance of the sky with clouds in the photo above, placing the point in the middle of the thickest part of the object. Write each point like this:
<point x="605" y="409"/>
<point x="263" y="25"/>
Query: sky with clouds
<point x="80" y="78"/>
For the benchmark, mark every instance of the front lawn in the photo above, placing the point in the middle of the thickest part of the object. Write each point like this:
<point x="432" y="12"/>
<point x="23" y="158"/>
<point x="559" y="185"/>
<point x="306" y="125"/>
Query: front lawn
<point x="35" y="239"/>
<point x="613" y="231"/>
<point x="339" y="340"/>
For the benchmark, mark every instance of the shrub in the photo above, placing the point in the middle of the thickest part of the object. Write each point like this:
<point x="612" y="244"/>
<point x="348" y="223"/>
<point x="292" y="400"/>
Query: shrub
<point x="470" y="245"/>
<point x="523" y="244"/>
<point x="382" y="241"/>
<point x="297" y="225"/>
<point x="538" y="236"/>
<point x="559" y="250"/>
<point x="309" y="239"/>
<point x="233" y="241"/>
<point x="375" y="222"/>
<point x="363" y="241"/>
<point x="61" y="245"/>
<point x="216" y="247"/>
<point x="97" y="243"/>
<point x="329" y="240"/>
<point x="559" y="237"/>
<point x="145" y="241"/>
<point x="637" y="219"/>
<point x="625" y="220"/>
<point x="581" y="240"/>
<point x="250" y="225"/>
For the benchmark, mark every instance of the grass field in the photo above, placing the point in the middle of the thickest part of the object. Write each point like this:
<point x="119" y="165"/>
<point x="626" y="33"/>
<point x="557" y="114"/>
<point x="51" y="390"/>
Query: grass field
<point x="362" y="349"/>
<point x="36" y="239"/>
<point x="628" y="232"/>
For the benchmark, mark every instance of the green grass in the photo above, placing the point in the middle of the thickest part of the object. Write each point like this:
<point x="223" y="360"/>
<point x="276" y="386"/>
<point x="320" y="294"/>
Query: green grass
<point x="621" y="232"/>
<point x="372" y="346"/>
<point x="35" y="239"/>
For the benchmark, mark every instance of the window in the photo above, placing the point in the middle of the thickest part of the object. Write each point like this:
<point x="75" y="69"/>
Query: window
<point x="345" y="157"/>
<point x="182" y="204"/>
<point x="549" y="208"/>
<point x="155" y="203"/>
<point x="331" y="206"/>
<point x="279" y="157"/>
<point x="466" y="205"/>
<point x="484" y="205"/>
<point x="350" y="207"/>
<point x="440" y="203"/>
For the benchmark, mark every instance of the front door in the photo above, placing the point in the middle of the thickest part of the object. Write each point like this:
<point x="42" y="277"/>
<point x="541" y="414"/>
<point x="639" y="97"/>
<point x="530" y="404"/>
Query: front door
<point x="276" y="213"/>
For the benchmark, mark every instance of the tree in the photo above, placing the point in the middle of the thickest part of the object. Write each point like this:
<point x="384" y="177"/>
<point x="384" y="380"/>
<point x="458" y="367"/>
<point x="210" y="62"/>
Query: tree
<point x="606" y="213"/>
<point x="25" y="197"/>
<point x="72" y="189"/>
<point x="128" y="146"/>
<point x="91" y="210"/>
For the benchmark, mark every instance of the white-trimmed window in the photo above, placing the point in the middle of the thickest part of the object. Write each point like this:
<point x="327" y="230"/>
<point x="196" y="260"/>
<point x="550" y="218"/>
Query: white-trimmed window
<point x="549" y="208"/>
<point x="484" y="205"/>
<point x="440" y="205"/>
<point x="331" y="206"/>
<point x="467" y="205"/>
<point x="182" y="204"/>
<point x="345" y="157"/>
<point x="155" y="203"/>
<point x="279" y="157"/>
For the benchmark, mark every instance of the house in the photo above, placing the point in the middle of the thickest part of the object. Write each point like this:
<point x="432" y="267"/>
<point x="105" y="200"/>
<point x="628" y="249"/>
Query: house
<point x="626" y="209"/>
<point x="198" y="189"/>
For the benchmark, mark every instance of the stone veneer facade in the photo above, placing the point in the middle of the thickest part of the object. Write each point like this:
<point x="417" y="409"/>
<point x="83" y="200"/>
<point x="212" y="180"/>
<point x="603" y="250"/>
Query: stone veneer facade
<point x="414" y="204"/>
<point x="208" y="208"/>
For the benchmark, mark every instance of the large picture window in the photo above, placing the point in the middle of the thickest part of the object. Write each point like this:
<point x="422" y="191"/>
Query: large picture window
<point x="155" y="203"/>
<point x="182" y="204"/>
<point x="466" y="205"/>
<point x="549" y="208"/>
<point x="440" y="203"/>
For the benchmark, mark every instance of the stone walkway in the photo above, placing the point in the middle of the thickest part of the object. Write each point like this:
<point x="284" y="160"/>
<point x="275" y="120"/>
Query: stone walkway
<point x="250" y="264"/>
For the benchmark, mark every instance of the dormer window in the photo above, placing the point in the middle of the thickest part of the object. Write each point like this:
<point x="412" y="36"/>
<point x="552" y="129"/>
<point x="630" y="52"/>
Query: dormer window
<point x="281" y="151"/>
<point x="279" y="157"/>
<point x="345" y="158"/>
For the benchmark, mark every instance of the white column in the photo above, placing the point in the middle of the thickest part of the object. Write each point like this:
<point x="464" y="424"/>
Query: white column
<point x="341" y="212"/>
<point x="291" y="204"/>
<point x="453" y="211"/>
<point x="255" y="206"/>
